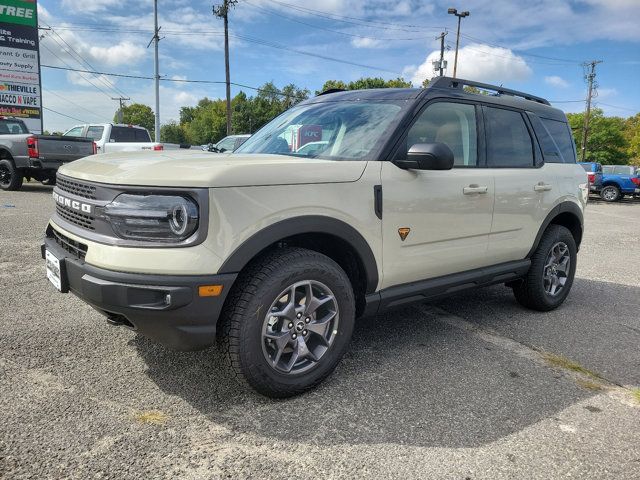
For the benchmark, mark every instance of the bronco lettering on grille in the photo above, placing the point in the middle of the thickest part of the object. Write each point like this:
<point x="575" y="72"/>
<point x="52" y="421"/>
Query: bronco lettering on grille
<point x="73" y="204"/>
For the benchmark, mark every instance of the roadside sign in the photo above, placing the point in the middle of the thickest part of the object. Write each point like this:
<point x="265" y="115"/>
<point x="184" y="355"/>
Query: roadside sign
<point x="20" y="84"/>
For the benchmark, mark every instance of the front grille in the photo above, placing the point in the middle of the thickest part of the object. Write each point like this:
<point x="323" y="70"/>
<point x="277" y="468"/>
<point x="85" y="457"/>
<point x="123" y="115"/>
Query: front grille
<point x="75" y="187"/>
<point x="77" y="218"/>
<point x="77" y="249"/>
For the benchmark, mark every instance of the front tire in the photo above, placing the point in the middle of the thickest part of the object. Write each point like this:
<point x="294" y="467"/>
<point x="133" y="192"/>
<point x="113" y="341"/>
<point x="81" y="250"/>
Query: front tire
<point x="553" y="267"/>
<point x="610" y="193"/>
<point x="10" y="177"/>
<point x="288" y="321"/>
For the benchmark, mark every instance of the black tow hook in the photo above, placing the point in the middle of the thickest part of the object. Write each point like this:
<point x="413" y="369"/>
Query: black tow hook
<point x="118" y="320"/>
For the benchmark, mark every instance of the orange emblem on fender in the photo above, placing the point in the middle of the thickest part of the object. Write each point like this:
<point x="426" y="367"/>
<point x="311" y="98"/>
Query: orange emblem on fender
<point x="403" y="232"/>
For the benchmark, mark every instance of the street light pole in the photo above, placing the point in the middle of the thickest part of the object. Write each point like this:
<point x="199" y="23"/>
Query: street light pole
<point x="460" y="15"/>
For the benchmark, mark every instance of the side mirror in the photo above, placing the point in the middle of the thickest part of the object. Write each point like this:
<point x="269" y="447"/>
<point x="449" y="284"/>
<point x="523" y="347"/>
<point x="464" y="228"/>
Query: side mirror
<point x="427" y="156"/>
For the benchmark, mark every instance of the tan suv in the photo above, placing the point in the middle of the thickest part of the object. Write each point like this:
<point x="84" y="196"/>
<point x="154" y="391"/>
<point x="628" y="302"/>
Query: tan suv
<point x="407" y="195"/>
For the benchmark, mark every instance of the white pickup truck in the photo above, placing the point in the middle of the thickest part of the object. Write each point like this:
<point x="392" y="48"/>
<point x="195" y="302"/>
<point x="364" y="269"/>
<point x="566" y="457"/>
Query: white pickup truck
<point x="115" y="137"/>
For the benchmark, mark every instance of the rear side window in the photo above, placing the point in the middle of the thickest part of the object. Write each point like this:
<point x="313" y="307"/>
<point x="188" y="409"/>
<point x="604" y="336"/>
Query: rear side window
<point x="95" y="132"/>
<point x="586" y="167"/>
<point x="508" y="140"/>
<point x="550" y="151"/>
<point x="122" y="134"/>
<point x="561" y="134"/>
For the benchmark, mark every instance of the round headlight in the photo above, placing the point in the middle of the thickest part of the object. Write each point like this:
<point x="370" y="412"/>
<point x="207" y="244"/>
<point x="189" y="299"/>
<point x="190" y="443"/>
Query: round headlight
<point x="179" y="219"/>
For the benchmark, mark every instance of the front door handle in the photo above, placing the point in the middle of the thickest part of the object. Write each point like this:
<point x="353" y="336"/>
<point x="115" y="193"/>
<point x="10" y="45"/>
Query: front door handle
<point x="542" y="187"/>
<point x="473" y="188"/>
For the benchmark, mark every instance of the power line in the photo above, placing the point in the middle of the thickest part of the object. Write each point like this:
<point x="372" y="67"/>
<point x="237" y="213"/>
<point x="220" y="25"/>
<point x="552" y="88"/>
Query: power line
<point x="270" y="44"/>
<point x="360" y="21"/>
<point x="73" y="103"/>
<point x="81" y="60"/>
<point x="177" y="80"/>
<point x="88" y="80"/>
<point x="64" y="115"/>
<point x="615" y="106"/>
<point x="295" y="20"/>
<point x="522" y="52"/>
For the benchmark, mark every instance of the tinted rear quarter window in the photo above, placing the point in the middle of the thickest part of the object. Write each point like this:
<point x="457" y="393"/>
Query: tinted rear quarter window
<point x="508" y="140"/>
<point x="561" y="135"/>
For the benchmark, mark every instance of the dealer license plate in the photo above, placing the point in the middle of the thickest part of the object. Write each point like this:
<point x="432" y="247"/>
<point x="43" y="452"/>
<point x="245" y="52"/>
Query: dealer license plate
<point x="54" y="273"/>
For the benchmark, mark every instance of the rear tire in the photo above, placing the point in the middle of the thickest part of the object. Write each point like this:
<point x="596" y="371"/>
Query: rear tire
<point x="10" y="177"/>
<point x="292" y="308"/>
<point x="610" y="193"/>
<point x="553" y="267"/>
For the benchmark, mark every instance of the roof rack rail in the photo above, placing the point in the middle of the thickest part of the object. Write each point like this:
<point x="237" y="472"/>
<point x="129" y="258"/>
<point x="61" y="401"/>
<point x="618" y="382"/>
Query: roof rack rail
<point x="331" y="90"/>
<point x="448" y="82"/>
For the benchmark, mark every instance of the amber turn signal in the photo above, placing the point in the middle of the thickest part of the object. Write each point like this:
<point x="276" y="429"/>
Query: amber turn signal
<point x="209" y="290"/>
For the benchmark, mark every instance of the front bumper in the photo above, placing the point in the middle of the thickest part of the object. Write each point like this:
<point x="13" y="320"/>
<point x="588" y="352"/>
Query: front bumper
<point x="165" y="308"/>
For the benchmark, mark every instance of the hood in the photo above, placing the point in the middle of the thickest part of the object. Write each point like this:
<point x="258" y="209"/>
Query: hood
<point x="193" y="168"/>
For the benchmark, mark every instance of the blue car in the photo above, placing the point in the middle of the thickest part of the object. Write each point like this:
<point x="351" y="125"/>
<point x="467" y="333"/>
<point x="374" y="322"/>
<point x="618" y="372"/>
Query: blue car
<point x="616" y="180"/>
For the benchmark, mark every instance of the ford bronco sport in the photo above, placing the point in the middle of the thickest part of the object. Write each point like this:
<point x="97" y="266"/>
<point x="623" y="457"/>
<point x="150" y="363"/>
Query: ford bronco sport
<point x="408" y="195"/>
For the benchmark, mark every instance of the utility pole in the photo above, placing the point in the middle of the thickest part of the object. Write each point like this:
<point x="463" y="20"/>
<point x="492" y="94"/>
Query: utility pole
<point x="156" y="67"/>
<point x="120" y="110"/>
<point x="585" y="129"/>
<point x="460" y="15"/>
<point x="222" y="11"/>
<point x="442" y="64"/>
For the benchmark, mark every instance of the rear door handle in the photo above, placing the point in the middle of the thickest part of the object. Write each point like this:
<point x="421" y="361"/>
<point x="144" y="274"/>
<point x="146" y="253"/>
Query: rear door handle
<point x="542" y="187"/>
<point x="473" y="188"/>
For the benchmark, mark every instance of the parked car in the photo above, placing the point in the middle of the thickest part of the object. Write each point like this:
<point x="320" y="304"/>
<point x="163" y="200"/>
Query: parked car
<point x="618" y="181"/>
<point x="420" y="193"/>
<point x="25" y="155"/>
<point x="594" y="176"/>
<point x="113" y="137"/>
<point x="228" y="144"/>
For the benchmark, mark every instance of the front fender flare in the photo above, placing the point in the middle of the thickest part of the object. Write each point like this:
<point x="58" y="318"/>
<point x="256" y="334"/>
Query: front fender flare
<point x="302" y="225"/>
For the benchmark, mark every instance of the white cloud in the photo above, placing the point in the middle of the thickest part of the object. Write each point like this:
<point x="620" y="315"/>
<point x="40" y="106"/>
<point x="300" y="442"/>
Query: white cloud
<point x="178" y="77"/>
<point x="91" y="5"/>
<point x="477" y="62"/>
<point x="556" y="81"/>
<point x="89" y="80"/>
<point x="123" y="53"/>
<point x="365" y="42"/>
<point x="185" y="98"/>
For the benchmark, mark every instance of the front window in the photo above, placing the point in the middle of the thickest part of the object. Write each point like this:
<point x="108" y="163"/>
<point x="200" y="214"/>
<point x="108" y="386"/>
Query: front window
<point x="337" y="130"/>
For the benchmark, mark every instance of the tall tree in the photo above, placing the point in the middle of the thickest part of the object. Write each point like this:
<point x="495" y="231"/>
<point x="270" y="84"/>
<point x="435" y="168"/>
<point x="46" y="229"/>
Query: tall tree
<point x="173" y="133"/>
<point x="138" y="114"/>
<point x="606" y="142"/>
<point x="365" y="82"/>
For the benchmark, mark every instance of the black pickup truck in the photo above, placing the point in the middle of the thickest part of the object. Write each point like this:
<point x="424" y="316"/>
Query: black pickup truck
<point x="24" y="155"/>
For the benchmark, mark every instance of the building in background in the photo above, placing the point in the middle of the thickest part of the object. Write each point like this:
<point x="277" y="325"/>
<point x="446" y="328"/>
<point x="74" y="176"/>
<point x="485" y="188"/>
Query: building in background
<point x="20" y="86"/>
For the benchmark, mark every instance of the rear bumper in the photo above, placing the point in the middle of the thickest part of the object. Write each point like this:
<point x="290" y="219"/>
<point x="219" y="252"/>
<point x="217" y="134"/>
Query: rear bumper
<point x="165" y="308"/>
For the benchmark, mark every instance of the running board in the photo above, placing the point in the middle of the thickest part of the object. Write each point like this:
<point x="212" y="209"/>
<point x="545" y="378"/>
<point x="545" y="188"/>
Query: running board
<point x="435" y="288"/>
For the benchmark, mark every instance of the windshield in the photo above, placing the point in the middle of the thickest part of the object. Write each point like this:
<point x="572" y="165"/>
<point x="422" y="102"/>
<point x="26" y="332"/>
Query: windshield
<point x="333" y="130"/>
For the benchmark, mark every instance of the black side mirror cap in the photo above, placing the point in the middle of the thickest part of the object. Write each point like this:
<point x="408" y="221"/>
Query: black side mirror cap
<point x="427" y="156"/>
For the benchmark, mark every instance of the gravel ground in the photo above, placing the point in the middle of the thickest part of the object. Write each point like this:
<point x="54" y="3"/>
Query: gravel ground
<point x="472" y="387"/>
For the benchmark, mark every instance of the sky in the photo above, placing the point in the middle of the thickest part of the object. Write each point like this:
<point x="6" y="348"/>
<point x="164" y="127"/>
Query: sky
<point x="537" y="46"/>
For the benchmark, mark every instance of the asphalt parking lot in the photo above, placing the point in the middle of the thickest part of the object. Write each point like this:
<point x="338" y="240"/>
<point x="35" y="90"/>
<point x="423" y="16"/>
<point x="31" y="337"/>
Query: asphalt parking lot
<point x="473" y="387"/>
